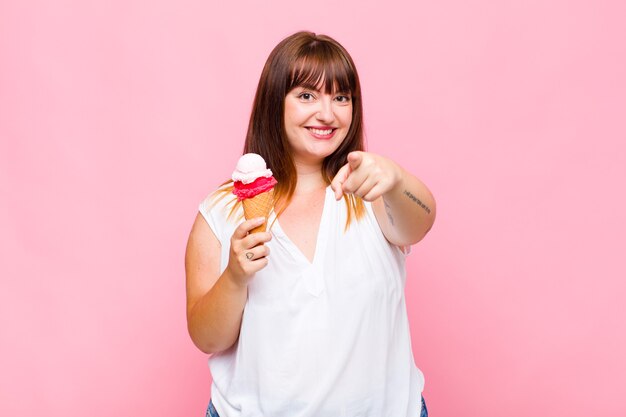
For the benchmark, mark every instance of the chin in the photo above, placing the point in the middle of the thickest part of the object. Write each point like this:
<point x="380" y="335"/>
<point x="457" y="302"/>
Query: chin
<point x="325" y="153"/>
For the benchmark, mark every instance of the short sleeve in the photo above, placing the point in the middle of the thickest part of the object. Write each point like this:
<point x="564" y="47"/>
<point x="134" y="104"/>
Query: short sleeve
<point x="206" y="209"/>
<point x="216" y="209"/>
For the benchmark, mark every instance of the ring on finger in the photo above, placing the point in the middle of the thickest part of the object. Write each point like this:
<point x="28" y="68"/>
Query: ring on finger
<point x="249" y="255"/>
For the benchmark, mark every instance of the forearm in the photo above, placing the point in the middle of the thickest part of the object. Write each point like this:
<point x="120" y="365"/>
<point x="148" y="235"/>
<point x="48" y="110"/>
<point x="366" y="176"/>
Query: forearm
<point x="215" y="319"/>
<point x="410" y="208"/>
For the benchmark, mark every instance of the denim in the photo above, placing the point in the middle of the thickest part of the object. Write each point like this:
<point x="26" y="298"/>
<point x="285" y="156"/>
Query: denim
<point x="210" y="412"/>
<point x="424" y="412"/>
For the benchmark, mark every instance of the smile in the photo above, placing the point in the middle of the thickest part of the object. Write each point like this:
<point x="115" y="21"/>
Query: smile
<point x="325" y="133"/>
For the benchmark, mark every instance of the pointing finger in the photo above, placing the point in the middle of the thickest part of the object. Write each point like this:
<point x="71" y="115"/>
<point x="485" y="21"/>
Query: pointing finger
<point x="340" y="178"/>
<point x="354" y="159"/>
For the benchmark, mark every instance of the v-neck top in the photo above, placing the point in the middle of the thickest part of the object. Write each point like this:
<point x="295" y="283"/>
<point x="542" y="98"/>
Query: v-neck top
<point x="323" y="338"/>
<point x="321" y="237"/>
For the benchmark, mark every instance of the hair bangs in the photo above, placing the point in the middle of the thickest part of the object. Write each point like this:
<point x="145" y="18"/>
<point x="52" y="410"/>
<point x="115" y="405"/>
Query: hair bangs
<point x="320" y="66"/>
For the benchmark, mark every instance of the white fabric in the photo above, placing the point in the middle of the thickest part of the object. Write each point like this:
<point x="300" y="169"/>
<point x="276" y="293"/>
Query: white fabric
<point x="328" y="338"/>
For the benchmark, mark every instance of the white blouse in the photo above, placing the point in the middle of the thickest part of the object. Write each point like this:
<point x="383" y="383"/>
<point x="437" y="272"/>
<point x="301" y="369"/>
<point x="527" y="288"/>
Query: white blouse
<point x="327" y="338"/>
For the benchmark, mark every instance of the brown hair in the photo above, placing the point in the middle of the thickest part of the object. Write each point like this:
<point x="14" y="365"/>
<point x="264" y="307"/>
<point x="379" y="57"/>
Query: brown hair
<point x="308" y="60"/>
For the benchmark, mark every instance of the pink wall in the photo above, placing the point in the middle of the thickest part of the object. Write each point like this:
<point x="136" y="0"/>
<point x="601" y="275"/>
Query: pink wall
<point x="117" y="117"/>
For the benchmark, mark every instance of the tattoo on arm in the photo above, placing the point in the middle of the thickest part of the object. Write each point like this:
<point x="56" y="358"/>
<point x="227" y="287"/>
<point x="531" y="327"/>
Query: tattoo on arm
<point x="417" y="201"/>
<point x="388" y="210"/>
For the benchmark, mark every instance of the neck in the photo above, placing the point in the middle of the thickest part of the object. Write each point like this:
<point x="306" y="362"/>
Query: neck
<point x="310" y="178"/>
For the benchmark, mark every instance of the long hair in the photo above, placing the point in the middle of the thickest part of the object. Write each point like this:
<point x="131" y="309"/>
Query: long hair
<point x="308" y="60"/>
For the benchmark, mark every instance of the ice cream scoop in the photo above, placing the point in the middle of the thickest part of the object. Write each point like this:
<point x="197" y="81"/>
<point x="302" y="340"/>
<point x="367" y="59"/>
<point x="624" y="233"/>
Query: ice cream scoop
<point x="250" y="167"/>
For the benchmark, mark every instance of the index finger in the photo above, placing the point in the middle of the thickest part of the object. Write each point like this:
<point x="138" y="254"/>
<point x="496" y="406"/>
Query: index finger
<point x="339" y="179"/>
<point x="244" y="228"/>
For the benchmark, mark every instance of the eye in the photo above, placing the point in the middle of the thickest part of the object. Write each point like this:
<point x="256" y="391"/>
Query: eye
<point x="343" y="98"/>
<point x="306" y="96"/>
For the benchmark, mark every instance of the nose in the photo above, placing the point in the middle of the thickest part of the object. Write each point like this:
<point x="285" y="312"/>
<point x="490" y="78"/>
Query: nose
<point x="325" y="113"/>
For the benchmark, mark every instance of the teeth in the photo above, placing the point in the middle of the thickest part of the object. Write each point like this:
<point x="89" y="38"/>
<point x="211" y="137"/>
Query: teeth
<point x="321" y="132"/>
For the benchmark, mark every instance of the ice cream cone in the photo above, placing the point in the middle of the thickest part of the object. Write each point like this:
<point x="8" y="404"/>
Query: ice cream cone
<point x="253" y="184"/>
<point x="259" y="206"/>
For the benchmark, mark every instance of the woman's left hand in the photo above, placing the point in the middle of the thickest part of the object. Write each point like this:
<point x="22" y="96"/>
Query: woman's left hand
<point x="366" y="175"/>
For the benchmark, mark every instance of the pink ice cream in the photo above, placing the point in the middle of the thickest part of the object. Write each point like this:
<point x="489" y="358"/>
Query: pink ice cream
<point x="252" y="177"/>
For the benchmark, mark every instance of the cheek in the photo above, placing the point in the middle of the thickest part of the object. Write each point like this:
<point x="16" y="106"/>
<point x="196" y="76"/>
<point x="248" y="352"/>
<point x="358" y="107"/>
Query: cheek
<point x="289" y="112"/>
<point x="289" y="120"/>
<point x="346" y="116"/>
<point x="292" y="119"/>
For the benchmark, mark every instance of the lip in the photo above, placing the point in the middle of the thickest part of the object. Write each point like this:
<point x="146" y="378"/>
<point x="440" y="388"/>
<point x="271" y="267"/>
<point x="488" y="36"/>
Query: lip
<point x="318" y="136"/>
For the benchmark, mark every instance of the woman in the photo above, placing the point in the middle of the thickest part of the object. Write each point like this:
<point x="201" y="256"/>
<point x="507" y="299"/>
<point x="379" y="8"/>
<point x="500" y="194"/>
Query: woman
<point x="308" y="318"/>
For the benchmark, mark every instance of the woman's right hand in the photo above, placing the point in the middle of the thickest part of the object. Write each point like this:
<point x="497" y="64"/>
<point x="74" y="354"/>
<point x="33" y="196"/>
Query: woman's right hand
<point x="248" y="254"/>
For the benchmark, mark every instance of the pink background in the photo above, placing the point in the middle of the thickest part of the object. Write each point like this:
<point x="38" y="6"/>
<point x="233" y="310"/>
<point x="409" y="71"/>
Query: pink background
<point x="118" y="117"/>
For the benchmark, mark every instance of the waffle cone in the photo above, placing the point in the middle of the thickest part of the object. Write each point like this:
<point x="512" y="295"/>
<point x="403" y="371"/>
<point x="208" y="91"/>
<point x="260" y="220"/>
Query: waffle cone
<point x="259" y="206"/>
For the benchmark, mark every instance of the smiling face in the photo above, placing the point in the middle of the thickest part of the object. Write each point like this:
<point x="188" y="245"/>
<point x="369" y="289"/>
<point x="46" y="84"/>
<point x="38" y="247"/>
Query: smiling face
<point x="316" y="122"/>
<point x="297" y="101"/>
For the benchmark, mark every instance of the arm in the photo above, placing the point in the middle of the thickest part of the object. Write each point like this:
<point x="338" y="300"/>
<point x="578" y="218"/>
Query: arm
<point x="406" y="212"/>
<point x="404" y="207"/>
<point x="215" y="302"/>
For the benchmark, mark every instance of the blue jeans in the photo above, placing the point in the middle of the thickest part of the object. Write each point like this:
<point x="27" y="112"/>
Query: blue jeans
<point x="210" y="412"/>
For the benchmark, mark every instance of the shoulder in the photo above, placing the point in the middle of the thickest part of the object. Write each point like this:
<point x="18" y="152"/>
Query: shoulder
<point x="220" y="210"/>
<point x="218" y="202"/>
